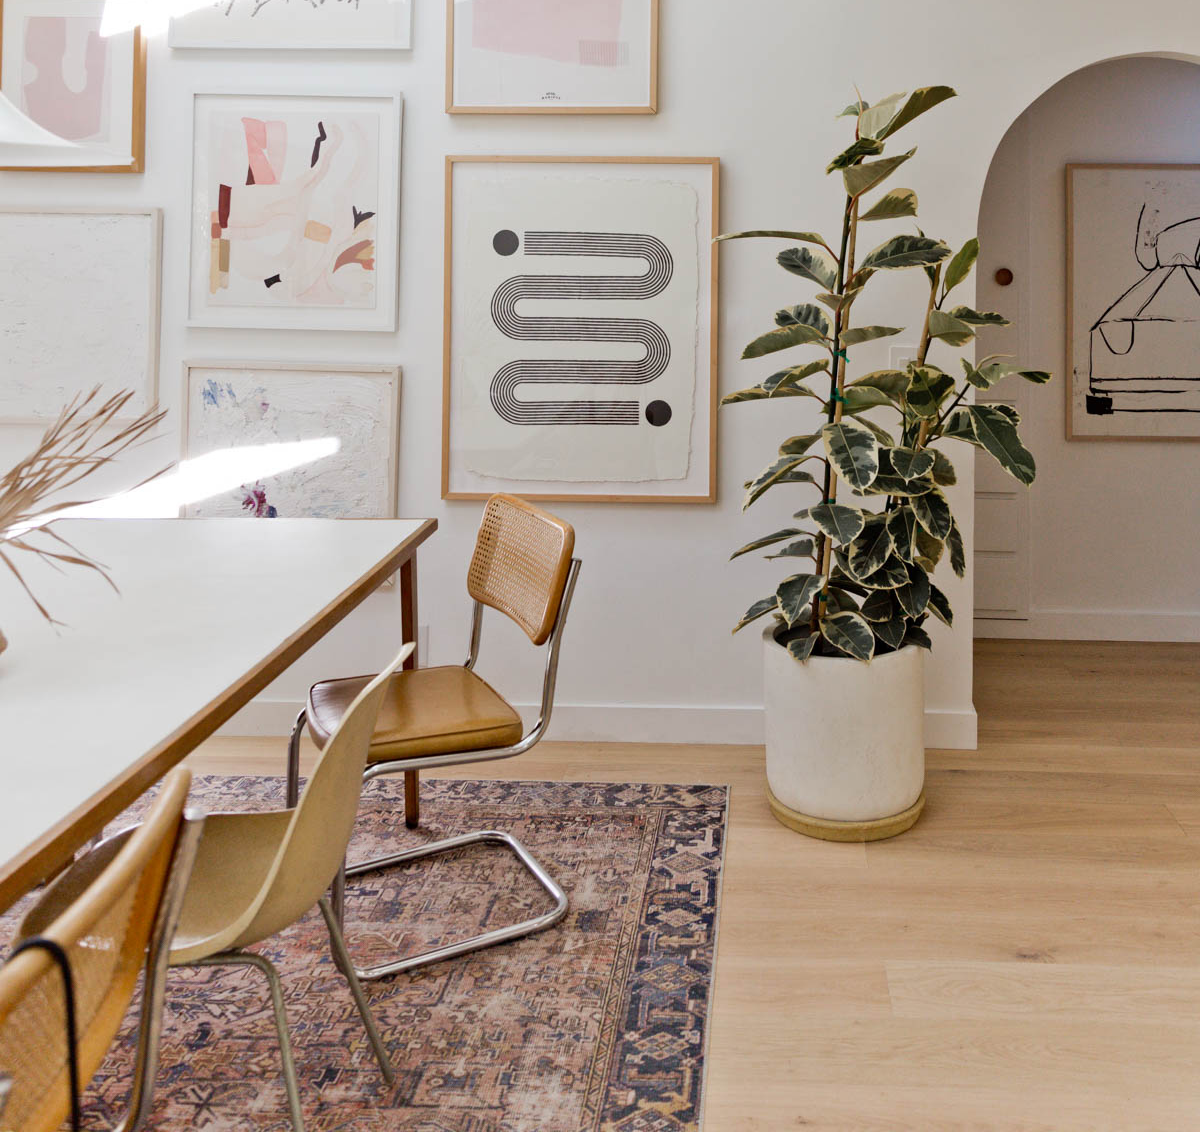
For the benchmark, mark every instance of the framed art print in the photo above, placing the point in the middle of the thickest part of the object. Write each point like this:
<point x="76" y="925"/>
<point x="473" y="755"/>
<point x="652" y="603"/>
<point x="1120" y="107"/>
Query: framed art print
<point x="241" y="404"/>
<point x="551" y="57"/>
<point x="58" y="70"/>
<point x="580" y="328"/>
<point x="295" y="211"/>
<point x="273" y="25"/>
<point x="1133" y="287"/>
<point x="97" y="272"/>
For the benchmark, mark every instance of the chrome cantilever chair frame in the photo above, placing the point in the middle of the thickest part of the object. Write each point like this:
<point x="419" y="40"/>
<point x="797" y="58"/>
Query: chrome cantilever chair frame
<point x="489" y="837"/>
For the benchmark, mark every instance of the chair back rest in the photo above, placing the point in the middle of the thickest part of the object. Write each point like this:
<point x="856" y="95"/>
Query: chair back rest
<point x="319" y="832"/>
<point x="521" y="562"/>
<point x="104" y="932"/>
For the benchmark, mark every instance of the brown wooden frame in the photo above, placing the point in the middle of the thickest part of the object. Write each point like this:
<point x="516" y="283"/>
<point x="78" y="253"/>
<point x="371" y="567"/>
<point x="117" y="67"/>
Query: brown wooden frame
<point x="714" y="330"/>
<point x="650" y="108"/>
<point x="137" y="142"/>
<point x="1068" y="367"/>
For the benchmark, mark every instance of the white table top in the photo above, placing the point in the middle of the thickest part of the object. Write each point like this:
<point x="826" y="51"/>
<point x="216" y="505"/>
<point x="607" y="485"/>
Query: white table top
<point x="210" y="611"/>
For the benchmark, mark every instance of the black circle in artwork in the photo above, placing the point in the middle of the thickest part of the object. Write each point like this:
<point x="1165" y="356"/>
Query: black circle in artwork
<point x="658" y="413"/>
<point x="506" y="242"/>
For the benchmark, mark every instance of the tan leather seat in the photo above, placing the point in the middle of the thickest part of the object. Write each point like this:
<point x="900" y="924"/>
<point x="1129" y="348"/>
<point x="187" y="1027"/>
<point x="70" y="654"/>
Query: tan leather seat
<point x="427" y="711"/>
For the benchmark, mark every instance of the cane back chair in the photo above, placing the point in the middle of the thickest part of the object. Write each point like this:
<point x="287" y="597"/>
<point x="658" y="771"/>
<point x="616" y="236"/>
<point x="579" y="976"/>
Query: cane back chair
<point x="436" y="717"/>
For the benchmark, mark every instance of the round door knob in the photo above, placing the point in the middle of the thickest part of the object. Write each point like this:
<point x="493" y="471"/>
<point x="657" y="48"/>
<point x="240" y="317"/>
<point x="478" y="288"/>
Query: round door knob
<point x="1005" y="277"/>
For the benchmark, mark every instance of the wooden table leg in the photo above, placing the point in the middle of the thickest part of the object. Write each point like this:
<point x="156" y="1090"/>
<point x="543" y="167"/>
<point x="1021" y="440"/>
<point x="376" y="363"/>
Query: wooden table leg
<point x="410" y="632"/>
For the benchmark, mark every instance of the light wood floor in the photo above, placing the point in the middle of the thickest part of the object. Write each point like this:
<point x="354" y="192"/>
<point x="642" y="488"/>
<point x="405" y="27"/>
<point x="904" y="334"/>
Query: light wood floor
<point x="1028" y="957"/>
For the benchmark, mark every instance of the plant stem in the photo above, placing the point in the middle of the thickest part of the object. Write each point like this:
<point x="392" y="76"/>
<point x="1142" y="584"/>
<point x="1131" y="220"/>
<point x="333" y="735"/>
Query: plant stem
<point x="926" y="341"/>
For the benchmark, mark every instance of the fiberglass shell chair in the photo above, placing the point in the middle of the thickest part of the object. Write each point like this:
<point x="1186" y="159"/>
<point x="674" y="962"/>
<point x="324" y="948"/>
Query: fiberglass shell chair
<point x="111" y="915"/>
<point x="258" y="873"/>
<point x="435" y="717"/>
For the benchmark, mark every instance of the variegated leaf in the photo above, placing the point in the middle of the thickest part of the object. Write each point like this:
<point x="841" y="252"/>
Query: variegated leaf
<point x="929" y="550"/>
<point x="979" y="318"/>
<point x="801" y="548"/>
<point x="757" y="610"/>
<point x="880" y="605"/>
<point x="958" y="553"/>
<point x="917" y="636"/>
<point x="857" y="335"/>
<point x="798" y="445"/>
<point x="943" y="471"/>
<point x="782" y="338"/>
<point x="894" y="205"/>
<point x="796" y="596"/>
<point x="773" y="473"/>
<point x="933" y="513"/>
<point x="929" y="388"/>
<point x="855" y="152"/>
<point x="802" y="649"/>
<point x="903" y="526"/>
<point x="914" y="106"/>
<point x="939" y="606"/>
<point x="892" y="382"/>
<point x="816" y="267"/>
<point x="849" y="633"/>
<point x="909" y="464"/>
<point x="863" y="178"/>
<point x="872" y="547"/>
<point x="854" y="451"/>
<point x="997" y="433"/>
<point x="913" y="596"/>
<point x="805" y="314"/>
<point x="953" y="331"/>
<point x="842" y="524"/>
<point x="774" y="234"/>
<point x="767" y="540"/>
<point x="891" y="632"/>
<point x="960" y="266"/>
<point x="905" y="251"/>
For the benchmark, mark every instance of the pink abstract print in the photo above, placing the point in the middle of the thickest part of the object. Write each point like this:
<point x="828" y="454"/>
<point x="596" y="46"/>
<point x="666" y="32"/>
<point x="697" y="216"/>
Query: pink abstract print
<point x="296" y="200"/>
<point x="566" y="31"/>
<point x="66" y="76"/>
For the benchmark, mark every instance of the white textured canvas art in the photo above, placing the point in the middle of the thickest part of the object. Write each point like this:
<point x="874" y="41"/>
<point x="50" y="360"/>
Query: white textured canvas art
<point x="580" y="311"/>
<point x="239" y="406"/>
<point x="1135" y="302"/>
<point x="79" y="304"/>
<point x="284" y="24"/>
<point x="295" y="211"/>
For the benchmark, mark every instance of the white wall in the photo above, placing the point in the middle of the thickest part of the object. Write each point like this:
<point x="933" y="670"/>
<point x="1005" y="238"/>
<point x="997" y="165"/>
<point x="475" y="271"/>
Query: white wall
<point x="756" y="83"/>
<point x="1113" y="526"/>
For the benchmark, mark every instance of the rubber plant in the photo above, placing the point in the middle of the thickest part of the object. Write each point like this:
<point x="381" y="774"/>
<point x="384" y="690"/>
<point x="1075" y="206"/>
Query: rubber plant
<point x="880" y="523"/>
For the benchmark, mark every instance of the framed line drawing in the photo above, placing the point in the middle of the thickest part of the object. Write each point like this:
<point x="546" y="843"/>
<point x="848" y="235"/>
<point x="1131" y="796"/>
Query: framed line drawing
<point x="580" y="328"/>
<point x="295" y="211"/>
<point x="551" y="57"/>
<point x="1133" y="302"/>
<point x="279" y="25"/>
<point x="58" y="70"/>
<point x="239" y="404"/>
<point x="102" y="270"/>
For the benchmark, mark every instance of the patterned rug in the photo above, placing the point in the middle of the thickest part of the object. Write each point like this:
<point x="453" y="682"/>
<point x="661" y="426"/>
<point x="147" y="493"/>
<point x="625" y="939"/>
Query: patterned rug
<point x="597" y="1025"/>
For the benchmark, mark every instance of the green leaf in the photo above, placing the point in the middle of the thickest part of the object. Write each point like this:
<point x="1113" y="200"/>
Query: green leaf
<point x="960" y="266"/>
<point x="802" y="649"/>
<point x="891" y="632"/>
<point x="939" y="606"/>
<point x="854" y="451"/>
<point x="765" y="393"/>
<point x="782" y="339"/>
<point x="840" y="581"/>
<point x="929" y="550"/>
<point x="801" y="548"/>
<point x="788" y="378"/>
<point x="849" y="633"/>
<point x="765" y="541"/>
<point x="880" y="606"/>
<point x="979" y="318"/>
<point x="893" y="573"/>
<point x="905" y="251"/>
<point x="796" y="596"/>
<point x="998" y="434"/>
<point x="839" y="601"/>
<point x="951" y="330"/>
<point x="889" y="482"/>
<point x="902" y="524"/>
<point x="863" y="178"/>
<point x="861" y="334"/>
<point x="872" y="548"/>
<point x="933" y="513"/>
<point x="1035" y="376"/>
<point x="894" y="205"/>
<point x="943" y="471"/>
<point x="892" y="382"/>
<point x="958" y="554"/>
<point x="917" y="636"/>
<point x="773" y="234"/>
<point x="960" y="425"/>
<point x="909" y="464"/>
<point x="913" y="596"/>
<point x="784" y="470"/>
<point x="862" y="398"/>
<point x="842" y="524"/>
<point x="806" y="314"/>
<point x="929" y="388"/>
<point x="861" y="147"/>
<point x="798" y="445"/>
<point x="814" y="266"/>
<point x="918" y="103"/>
<point x="884" y="437"/>
<point x="757" y="610"/>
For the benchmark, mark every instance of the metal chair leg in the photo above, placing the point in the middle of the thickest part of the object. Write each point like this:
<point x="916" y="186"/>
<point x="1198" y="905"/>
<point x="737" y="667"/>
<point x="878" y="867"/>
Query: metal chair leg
<point x="412" y="798"/>
<point x="485" y="939"/>
<point x="293" y="763"/>
<point x="249" y="959"/>
<point x="338" y="944"/>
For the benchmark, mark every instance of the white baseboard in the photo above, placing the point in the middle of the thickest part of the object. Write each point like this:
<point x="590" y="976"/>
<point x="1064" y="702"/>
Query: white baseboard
<point x="1089" y="625"/>
<point x="735" y="725"/>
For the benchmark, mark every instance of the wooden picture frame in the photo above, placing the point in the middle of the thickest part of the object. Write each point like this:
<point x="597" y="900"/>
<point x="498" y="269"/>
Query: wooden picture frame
<point x="135" y="43"/>
<point x="1130" y="308"/>
<point x="650" y="106"/>
<point x="148" y="315"/>
<point x="699" y="486"/>
<point x="332" y="371"/>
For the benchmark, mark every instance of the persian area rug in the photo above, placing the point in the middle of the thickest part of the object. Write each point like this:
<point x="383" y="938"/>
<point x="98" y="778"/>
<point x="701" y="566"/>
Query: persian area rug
<point x="598" y="1024"/>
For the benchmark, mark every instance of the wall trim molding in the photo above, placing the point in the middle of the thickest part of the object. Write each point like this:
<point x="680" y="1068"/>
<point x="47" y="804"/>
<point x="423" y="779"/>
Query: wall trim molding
<point x="1092" y="625"/>
<point x="722" y="725"/>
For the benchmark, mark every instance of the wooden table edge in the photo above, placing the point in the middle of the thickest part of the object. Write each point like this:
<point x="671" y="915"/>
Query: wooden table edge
<point x="55" y="848"/>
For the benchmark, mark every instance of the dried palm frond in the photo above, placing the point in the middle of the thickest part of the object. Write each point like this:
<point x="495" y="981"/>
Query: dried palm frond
<point x="70" y="450"/>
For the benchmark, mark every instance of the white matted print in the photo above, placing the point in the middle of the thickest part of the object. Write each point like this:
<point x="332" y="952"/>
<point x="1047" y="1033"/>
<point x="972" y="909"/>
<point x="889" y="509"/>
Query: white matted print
<point x="79" y="296"/>
<point x="581" y="334"/>
<point x="1134" y="292"/>
<point x="295" y="211"/>
<point x="551" y="56"/>
<point x="238" y="405"/>
<point x="58" y="70"/>
<point x="297" y="24"/>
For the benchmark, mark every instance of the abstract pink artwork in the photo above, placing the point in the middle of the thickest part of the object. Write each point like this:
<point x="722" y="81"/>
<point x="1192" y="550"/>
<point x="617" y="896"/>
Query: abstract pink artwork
<point x="66" y="77"/>
<point x="582" y="31"/>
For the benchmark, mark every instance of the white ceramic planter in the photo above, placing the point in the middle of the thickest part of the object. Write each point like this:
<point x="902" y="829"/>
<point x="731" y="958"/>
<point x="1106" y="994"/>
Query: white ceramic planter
<point x="845" y="742"/>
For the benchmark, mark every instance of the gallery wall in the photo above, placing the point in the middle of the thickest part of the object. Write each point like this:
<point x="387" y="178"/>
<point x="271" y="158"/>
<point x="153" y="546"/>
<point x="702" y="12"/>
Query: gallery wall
<point x="648" y="655"/>
<point x="1096" y="503"/>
